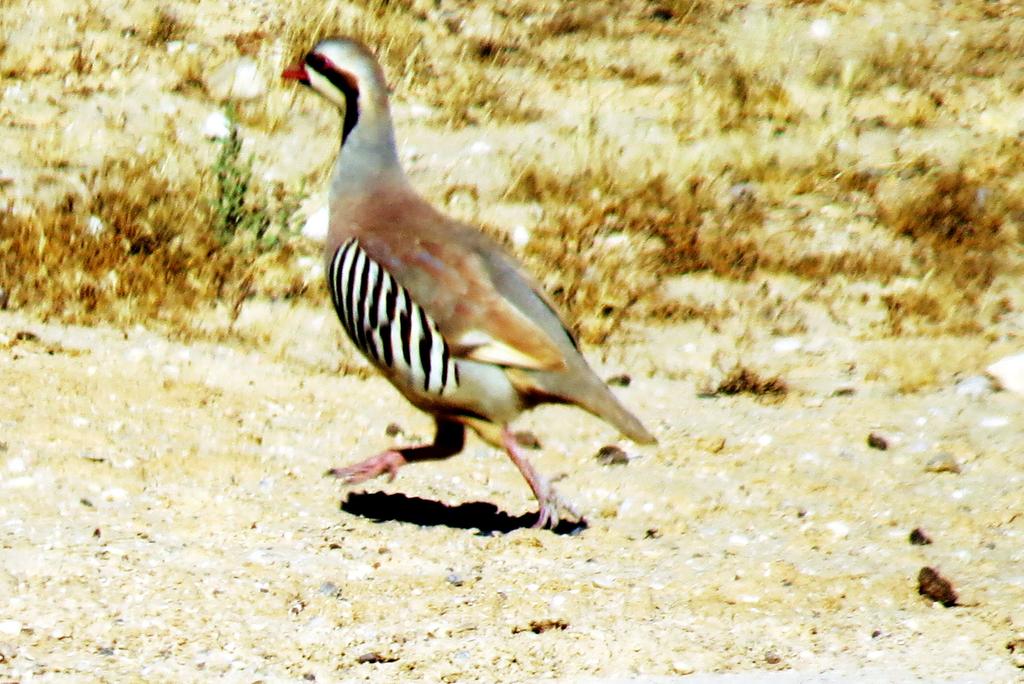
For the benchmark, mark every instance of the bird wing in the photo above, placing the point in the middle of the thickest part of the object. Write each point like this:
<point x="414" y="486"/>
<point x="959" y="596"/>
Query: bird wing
<point x="485" y="308"/>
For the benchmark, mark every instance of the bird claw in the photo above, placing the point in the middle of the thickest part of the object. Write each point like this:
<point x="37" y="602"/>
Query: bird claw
<point x="547" y="514"/>
<point x="387" y="462"/>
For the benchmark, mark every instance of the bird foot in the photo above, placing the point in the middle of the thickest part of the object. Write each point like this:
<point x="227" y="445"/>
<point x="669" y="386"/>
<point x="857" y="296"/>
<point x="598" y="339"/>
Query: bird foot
<point x="386" y="462"/>
<point x="549" y="505"/>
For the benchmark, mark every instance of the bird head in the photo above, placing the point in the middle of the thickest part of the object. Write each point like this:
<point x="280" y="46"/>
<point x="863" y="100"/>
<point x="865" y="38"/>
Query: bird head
<point x="339" y="69"/>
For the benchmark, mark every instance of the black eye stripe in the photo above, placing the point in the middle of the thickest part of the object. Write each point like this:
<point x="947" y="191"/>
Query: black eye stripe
<point x="317" y="62"/>
<point x="346" y="83"/>
<point x="341" y="79"/>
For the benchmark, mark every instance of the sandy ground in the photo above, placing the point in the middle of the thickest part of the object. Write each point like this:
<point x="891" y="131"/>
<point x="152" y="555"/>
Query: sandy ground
<point x="163" y="511"/>
<point x="164" y="517"/>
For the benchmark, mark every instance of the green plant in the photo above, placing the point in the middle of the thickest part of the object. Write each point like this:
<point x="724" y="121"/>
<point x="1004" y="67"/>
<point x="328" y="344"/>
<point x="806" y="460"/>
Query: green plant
<point x="236" y="214"/>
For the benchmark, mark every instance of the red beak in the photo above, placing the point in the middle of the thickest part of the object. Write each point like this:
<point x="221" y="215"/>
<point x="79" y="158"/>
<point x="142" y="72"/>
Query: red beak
<point x="296" y="72"/>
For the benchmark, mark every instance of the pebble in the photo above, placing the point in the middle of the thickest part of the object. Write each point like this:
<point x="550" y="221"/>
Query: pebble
<point x="420" y="111"/>
<point x="315" y="227"/>
<point x="1008" y="372"/>
<point x="683" y="667"/>
<point x="527" y="440"/>
<point x="216" y="126"/>
<point x="877" y="441"/>
<point x="520" y="236"/>
<point x="94" y="226"/>
<point x="480" y="148"/>
<point x="919" y="537"/>
<point x="838" y="528"/>
<point x="786" y="345"/>
<point x="820" y="29"/>
<point x="936" y="587"/>
<point x="974" y="386"/>
<point x="612" y="455"/>
<point x="114" y="494"/>
<point x="10" y="627"/>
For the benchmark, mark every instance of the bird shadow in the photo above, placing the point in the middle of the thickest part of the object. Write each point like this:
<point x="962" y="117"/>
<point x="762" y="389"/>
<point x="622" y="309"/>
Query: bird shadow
<point x="476" y="515"/>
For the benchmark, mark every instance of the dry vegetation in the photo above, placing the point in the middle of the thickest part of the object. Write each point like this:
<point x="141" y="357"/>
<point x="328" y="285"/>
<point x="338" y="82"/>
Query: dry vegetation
<point x="831" y="144"/>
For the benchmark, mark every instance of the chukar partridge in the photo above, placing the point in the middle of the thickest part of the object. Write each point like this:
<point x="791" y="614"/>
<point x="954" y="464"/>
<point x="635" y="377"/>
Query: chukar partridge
<point x="437" y="306"/>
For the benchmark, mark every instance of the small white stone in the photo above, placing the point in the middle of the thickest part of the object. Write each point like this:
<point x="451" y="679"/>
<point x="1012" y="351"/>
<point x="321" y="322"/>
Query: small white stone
<point x="316" y="225"/>
<point x="738" y="540"/>
<point x="995" y="422"/>
<point x="786" y="345"/>
<point x="216" y="126"/>
<point x="94" y="226"/>
<point x="838" y="528"/>
<point x="359" y="571"/>
<point x="974" y="386"/>
<point x="520" y="236"/>
<point x="79" y="421"/>
<point x="420" y="111"/>
<point x="174" y="46"/>
<point x="114" y="494"/>
<point x="821" y="29"/>
<point x="10" y="627"/>
<point x="16" y="465"/>
<point x="764" y="440"/>
<point x="1008" y="372"/>
<point x="15" y="93"/>
<point x="480" y="148"/>
<point x="683" y="667"/>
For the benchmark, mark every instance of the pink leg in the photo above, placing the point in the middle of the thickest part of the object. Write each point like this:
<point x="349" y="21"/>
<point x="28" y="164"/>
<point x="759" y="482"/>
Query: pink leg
<point x="448" y="441"/>
<point x="547" y="500"/>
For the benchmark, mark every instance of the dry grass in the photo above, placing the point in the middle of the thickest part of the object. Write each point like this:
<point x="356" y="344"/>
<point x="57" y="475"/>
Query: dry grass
<point x="460" y="76"/>
<point x="900" y="123"/>
<point x="743" y="380"/>
<point x="139" y="248"/>
<point x="956" y="224"/>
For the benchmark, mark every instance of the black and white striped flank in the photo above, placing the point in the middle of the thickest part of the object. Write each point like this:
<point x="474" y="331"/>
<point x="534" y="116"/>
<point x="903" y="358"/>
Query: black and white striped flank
<point x="385" y="323"/>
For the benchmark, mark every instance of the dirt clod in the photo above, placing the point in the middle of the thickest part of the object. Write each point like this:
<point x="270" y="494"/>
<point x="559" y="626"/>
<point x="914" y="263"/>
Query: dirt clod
<point x="374" y="657"/>
<point x="919" y="537"/>
<point x="612" y="455"/>
<point x="541" y="626"/>
<point x="877" y="441"/>
<point x="527" y="439"/>
<point x="934" y="586"/>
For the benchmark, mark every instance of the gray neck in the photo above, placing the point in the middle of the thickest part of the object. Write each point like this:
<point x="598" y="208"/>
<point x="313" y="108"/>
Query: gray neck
<point x="369" y="156"/>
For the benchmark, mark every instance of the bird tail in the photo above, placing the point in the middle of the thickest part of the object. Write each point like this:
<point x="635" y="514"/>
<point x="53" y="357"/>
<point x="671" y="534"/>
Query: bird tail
<point x="585" y="390"/>
<point x="600" y="401"/>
